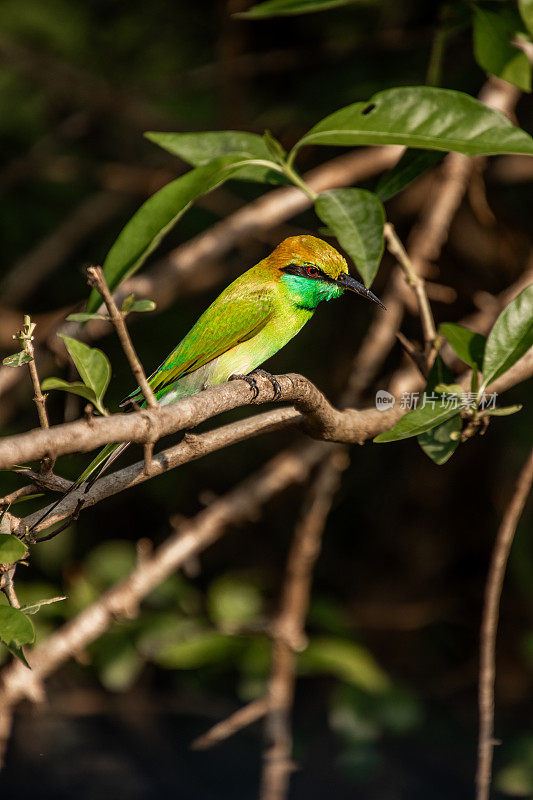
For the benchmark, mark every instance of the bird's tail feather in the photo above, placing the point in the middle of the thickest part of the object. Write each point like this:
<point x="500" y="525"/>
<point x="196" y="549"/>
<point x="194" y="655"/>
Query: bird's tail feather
<point x="96" y="468"/>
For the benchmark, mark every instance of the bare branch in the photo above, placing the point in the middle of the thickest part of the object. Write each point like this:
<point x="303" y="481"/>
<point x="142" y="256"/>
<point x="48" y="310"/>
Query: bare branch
<point x="416" y="282"/>
<point x="97" y="279"/>
<point x="289" y="633"/>
<point x="233" y="724"/>
<point x="489" y="626"/>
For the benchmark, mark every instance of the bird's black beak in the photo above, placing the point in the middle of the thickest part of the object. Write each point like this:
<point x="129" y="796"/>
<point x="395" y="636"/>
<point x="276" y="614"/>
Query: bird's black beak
<point x="346" y="281"/>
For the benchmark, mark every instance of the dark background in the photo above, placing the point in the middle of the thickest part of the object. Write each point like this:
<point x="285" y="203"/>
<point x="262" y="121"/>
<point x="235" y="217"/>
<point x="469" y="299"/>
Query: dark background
<point x="407" y="545"/>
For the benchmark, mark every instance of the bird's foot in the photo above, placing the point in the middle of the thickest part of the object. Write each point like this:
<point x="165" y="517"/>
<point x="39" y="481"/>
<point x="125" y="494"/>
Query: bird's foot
<point x="272" y="379"/>
<point x="252" y="383"/>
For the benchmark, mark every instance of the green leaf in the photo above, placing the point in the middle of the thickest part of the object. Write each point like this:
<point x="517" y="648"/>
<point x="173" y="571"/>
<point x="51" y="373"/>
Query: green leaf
<point x="233" y="601"/>
<point x="199" y="149"/>
<point x="467" y="344"/>
<point x="157" y="216"/>
<point x="15" y="627"/>
<point x="437" y="444"/>
<point x="412" y="164"/>
<point x="418" y="421"/>
<point x="510" y="338"/>
<point x="18" y="652"/>
<point x="91" y="363"/>
<point x="274" y="147"/>
<point x="84" y="317"/>
<point x="493" y="50"/>
<point x="348" y="661"/>
<point x="17" y="360"/>
<point x="11" y="549"/>
<point x="357" y="218"/>
<point x="278" y="8"/>
<point x="27" y="497"/>
<point x="197" y="650"/>
<point x="110" y="562"/>
<point x="526" y="12"/>
<point x="516" y="780"/>
<point x="423" y="117"/>
<point x="141" y="306"/>
<point x="76" y="387"/>
<point x="504" y="411"/>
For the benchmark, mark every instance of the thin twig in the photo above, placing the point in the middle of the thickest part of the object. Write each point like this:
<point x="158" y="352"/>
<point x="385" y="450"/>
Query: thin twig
<point x="17" y="494"/>
<point x="417" y="283"/>
<point x="233" y="724"/>
<point x="66" y="524"/>
<point x="25" y="336"/>
<point x="289" y="633"/>
<point x="97" y="279"/>
<point x="489" y="626"/>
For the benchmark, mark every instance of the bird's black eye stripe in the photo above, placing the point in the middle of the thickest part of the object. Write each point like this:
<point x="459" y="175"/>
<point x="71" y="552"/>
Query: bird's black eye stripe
<point x="306" y="271"/>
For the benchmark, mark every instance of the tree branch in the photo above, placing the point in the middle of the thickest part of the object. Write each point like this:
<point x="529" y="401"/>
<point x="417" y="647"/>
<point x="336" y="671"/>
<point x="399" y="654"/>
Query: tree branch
<point x="489" y="626"/>
<point x="322" y="420"/>
<point x="122" y="600"/>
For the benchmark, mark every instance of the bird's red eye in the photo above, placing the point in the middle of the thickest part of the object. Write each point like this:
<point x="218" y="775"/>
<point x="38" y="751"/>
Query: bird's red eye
<point x="312" y="272"/>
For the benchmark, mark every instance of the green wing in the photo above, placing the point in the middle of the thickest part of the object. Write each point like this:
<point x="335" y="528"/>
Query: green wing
<point x="234" y="317"/>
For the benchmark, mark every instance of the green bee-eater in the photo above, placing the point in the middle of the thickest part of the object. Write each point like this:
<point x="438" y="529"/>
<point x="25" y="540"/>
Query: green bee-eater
<point x="253" y="318"/>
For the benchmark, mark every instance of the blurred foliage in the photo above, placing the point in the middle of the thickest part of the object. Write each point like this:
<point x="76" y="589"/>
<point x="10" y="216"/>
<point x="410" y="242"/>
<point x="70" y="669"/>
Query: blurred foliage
<point x="386" y="703"/>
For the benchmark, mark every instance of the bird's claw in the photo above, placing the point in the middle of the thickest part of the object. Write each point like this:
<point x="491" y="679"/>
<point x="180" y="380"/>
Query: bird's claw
<point x="252" y="383"/>
<point x="272" y="379"/>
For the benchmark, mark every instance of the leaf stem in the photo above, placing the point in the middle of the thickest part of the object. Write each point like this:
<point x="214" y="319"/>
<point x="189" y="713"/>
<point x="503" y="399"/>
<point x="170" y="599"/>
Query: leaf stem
<point x="293" y="176"/>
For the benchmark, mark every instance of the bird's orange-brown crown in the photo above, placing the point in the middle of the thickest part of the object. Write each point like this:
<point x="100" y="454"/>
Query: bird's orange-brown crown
<point x="307" y="250"/>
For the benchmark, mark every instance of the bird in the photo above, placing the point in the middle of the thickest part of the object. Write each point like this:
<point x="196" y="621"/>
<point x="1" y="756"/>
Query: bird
<point x="253" y="318"/>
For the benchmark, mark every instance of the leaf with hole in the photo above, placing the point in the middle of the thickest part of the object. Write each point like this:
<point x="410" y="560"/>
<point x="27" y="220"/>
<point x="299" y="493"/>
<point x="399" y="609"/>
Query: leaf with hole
<point x="11" y="549"/>
<point x="493" y="48"/>
<point x="422" y="117"/>
<point x="155" y="218"/>
<point x="441" y="442"/>
<point x="357" y="218"/>
<point x="466" y="344"/>
<point x="17" y="360"/>
<point x="510" y="337"/>
<point x="411" y="165"/>
<point x="283" y="8"/>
